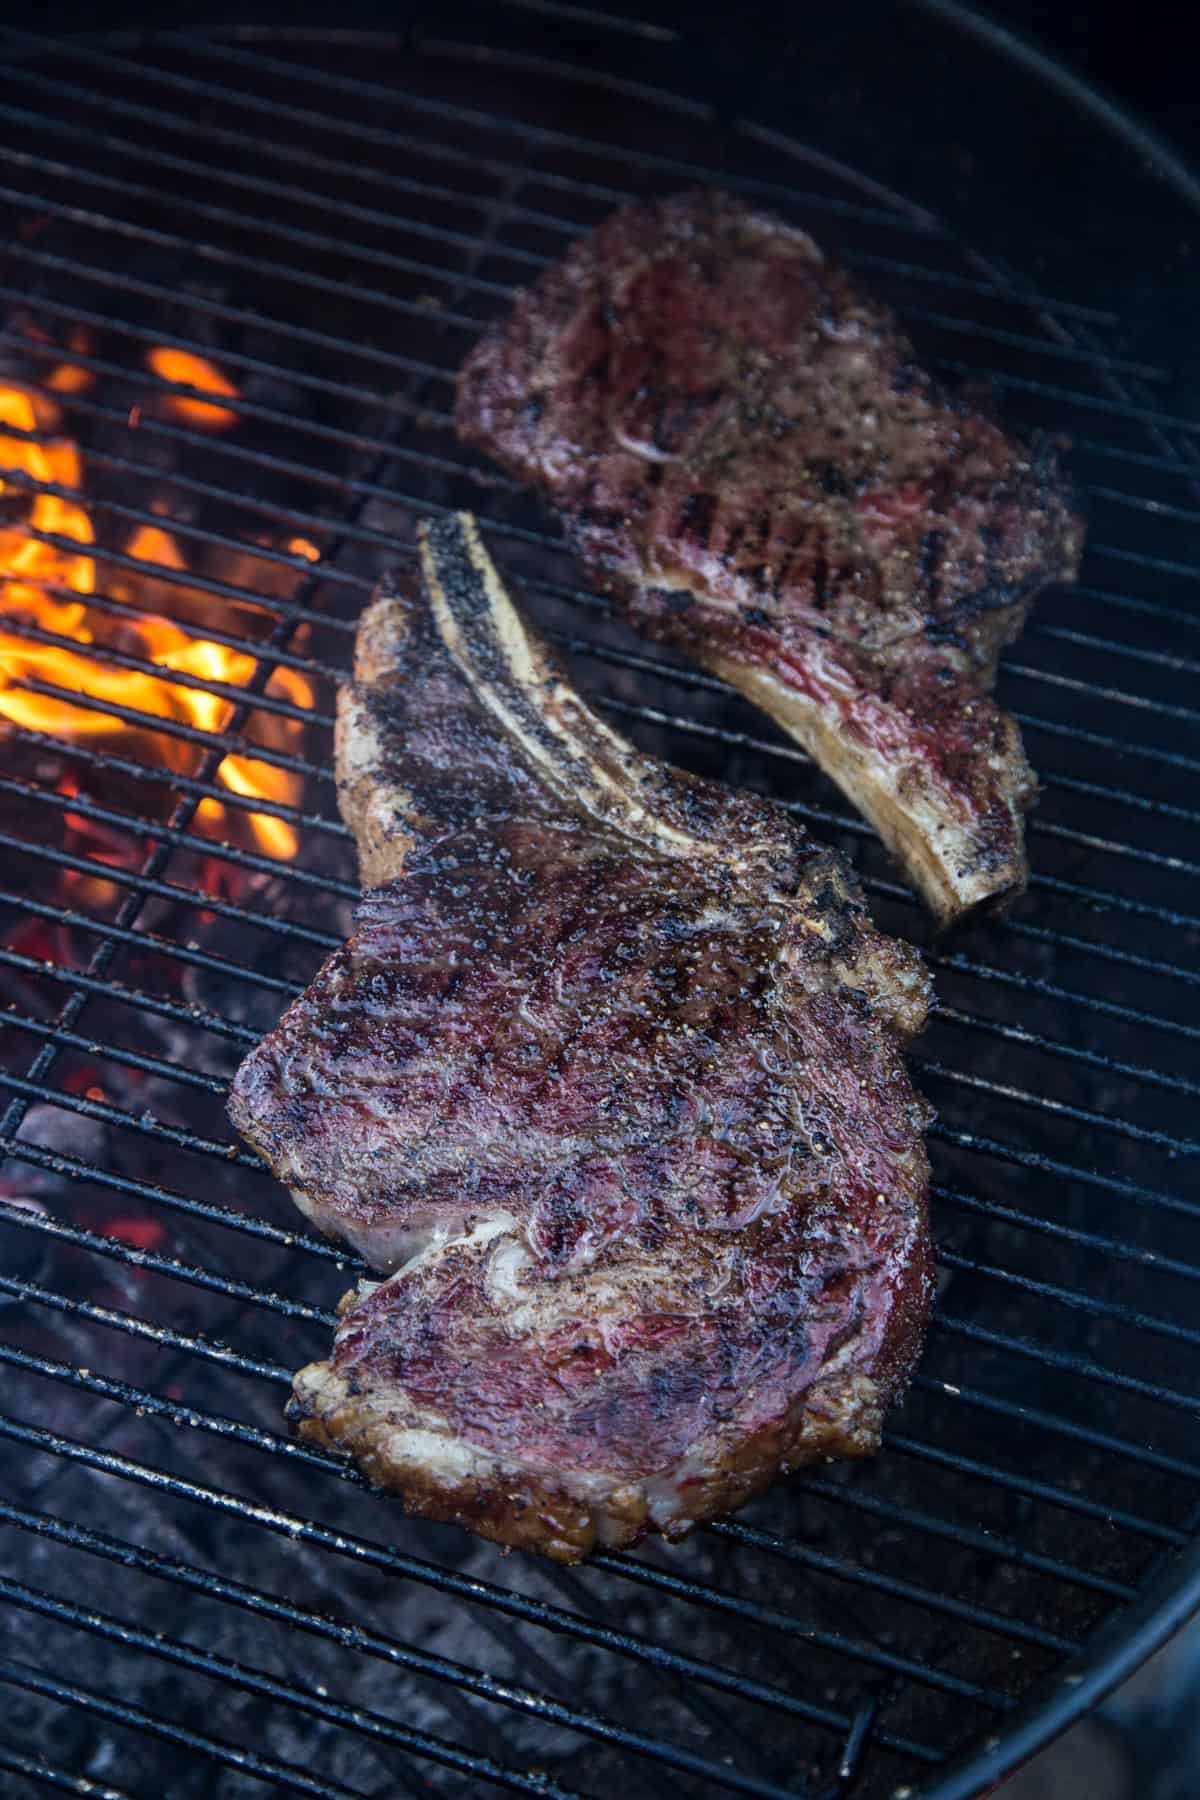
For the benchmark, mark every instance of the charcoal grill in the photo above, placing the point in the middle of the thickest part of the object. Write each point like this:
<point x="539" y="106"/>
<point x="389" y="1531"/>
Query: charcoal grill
<point x="241" y="266"/>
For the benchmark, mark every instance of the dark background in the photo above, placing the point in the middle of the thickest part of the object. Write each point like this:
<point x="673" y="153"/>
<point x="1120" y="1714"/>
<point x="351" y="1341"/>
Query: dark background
<point x="1143" y="55"/>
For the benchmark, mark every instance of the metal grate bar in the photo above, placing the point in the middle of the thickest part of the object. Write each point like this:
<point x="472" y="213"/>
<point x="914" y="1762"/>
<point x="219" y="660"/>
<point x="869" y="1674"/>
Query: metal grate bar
<point x="1035" y="984"/>
<point x="528" y="1611"/>
<point x="364" y="1642"/>
<point x="132" y="997"/>
<point x="953" y="1531"/>
<point x="1108" y="952"/>
<point x="170" y="890"/>
<point x="1093" y="1059"/>
<point x="1080" y="1302"/>
<point x="543" y="539"/>
<point x="201" y="1347"/>
<point x="140" y="827"/>
<point x="107" y="762"/>
<point x="1141" y="559"/>
<point x="1068" y="397"/>
<point x="170" y="677"/>
<point x="248" y="1762"/>
<point x="291" y="194"/>
<point x="1163" y="809"/>
<point x="1139" y="1134"/>
<point x="232" y="741"/>
<point x="122" y="282"/>
<point x="586" y="646"/>
<point x="1048" y="1165"/>
<point x="225" y="258"/>
<point x="768" y="1618"/>
<point x="1163" y="509"/>
<point x="1078" y="734"/>
<point x="273" y="226"/>
<point x="692" y="678"/>
<point x="1055" y="1423"/>
<point x="501" y="528"/>
<point x="307" y="117"/>
<point x="384" y="403"/>
<point x="106" y="606"/>
<point x="1067" y="1361"/>
<point x="994" y="287"/>
<point x="782" y="752"/>
<point x="252" y="1437"/>
<point x="1066" y="940"/>
<point x="1161" y="709"/>
<point x="128" y="1059"/>
<point x="486" y="478"/>
<point x="49" y="1775"/>
<point x="145" y="1123"/>
<point x="185" y="124"/>
<point x="806" y="1556"/>
<point x="157" y="857"/>
<point x="1001" y="1213"/>
<point x="1011" y="1152"/>
<point x="1141" y="459"/>
<point x="1035" y="1490"/>
<point x="374" y="1725"/>
<point x="772" y="750"/>
<point x="1000" y="1547"/>
<point x="149" y="1403"/>
<point x="162" y="1196"/>
<point x="150" y="943"/>
<point x="183" y="528"/>
<point x="49" y="1226"/>
<point x="164" y="1336"/>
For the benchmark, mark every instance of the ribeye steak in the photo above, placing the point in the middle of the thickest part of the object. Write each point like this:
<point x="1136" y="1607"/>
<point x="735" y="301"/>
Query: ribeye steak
<point x="608" y="1086"/>
<point x="745" y="452"/>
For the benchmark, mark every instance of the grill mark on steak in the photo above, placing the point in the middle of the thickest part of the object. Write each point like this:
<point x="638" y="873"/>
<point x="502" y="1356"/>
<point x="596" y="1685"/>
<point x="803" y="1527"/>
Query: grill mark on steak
<point x="893" y="535"/>
<point x="608" y="1086"/>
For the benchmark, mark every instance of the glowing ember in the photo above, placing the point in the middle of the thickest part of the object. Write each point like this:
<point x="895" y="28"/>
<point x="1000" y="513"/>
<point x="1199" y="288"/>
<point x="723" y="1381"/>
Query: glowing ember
<point x="37" y="582"/>
<point x="197" y="372"/>
<point x="69" y="378"/>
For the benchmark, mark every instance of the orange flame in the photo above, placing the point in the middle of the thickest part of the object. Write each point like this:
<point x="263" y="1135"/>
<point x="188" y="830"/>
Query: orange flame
<point x="36" y="580"/>
<point x="197" y="372"/>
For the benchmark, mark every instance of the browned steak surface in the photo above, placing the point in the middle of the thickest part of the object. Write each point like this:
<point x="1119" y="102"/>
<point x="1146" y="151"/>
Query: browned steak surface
<point x="744" y="450"/>
<point x="608" y="1085"/>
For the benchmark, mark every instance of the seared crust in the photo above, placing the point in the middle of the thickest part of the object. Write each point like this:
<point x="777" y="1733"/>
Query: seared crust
<point x="609" y="1078"/>
<point x="744" y="452"/>
<point x="565" y="1518"/>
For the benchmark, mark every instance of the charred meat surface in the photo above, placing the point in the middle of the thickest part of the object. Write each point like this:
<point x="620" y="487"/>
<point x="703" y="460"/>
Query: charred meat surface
<point x="744" y="451"/>
<point x="608" y="1086"/>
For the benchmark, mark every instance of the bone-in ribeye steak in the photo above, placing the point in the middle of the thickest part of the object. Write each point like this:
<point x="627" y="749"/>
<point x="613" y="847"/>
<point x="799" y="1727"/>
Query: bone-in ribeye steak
<point x="608" y="1084"/>
<point x="744" y="451"/>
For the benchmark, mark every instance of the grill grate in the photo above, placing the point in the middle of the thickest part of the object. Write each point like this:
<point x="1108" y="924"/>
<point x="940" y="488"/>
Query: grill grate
<point x="332" y="242"/>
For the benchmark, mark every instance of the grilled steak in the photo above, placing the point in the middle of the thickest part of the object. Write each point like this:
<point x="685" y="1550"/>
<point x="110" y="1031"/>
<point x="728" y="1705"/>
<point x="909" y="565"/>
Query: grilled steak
<point x="607" y="1084"/>
<point x="744" y="451"/>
